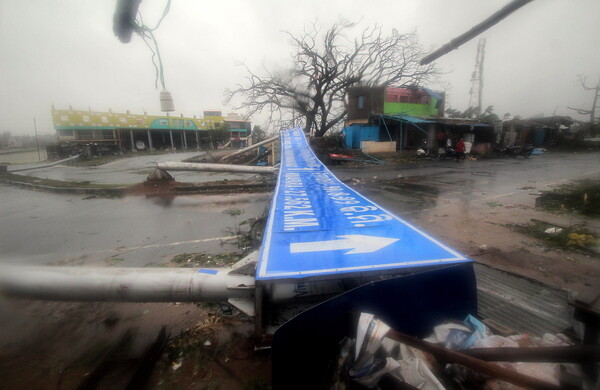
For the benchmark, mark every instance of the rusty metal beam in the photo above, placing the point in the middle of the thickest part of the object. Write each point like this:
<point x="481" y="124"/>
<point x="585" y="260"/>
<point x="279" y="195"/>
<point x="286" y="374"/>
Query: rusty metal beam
<point x="484" y="367"/>
<point x="569" y="354"/>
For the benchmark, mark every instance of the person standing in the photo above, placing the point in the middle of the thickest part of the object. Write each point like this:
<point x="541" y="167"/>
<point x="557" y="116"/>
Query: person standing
<point x="460" y="150"/>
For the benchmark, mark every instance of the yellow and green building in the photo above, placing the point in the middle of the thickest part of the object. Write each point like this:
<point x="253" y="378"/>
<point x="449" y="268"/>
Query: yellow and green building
<point x="127" y="131"/>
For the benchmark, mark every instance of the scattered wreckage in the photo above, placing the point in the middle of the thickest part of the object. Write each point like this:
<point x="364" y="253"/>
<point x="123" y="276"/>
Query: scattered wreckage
<point x="328" y="255"/>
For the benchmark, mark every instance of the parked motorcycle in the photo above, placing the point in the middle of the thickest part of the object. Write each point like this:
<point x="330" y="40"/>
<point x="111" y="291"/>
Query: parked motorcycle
<point x="449" y="153"/>
<point x="524" y="151"/>
<point x="513" y="151"/>
<point x="422" y="154"/>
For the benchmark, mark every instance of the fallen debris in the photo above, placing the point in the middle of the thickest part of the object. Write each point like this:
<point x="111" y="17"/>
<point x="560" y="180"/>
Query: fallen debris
<point x="574" y="237"/>
<point x="160" y="175"/>
<point x="463" y="353"/>
<point x="582" y="197"/>
<point x="553" y="230"/>
<point x="355" y="156"/>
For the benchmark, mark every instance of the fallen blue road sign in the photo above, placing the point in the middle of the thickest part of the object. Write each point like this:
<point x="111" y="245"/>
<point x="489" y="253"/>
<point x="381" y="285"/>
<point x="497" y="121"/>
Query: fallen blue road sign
<point x="318" y="226"/>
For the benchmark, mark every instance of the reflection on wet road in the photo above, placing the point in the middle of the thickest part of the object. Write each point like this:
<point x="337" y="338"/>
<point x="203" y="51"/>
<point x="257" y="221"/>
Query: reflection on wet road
<point x="45" y="228"/>
<point x="409" y="189"/>
<point x="130" y="170"/>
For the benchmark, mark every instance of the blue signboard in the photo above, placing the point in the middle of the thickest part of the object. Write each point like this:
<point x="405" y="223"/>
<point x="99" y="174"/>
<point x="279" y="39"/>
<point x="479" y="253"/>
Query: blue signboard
<point x="319" y="226"/>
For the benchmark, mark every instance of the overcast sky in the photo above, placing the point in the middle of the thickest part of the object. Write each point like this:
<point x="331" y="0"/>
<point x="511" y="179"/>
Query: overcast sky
<point x="64" y="52"/>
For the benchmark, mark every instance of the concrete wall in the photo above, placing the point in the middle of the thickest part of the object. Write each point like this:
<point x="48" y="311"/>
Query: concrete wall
<point x="371" y="99"/>
<point x="378" y="147"/>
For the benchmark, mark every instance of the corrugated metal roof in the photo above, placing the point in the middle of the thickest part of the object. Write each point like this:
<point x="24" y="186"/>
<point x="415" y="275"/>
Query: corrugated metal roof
<point x="447" y="121"/>
<point x="461" y="122"/>
<point x="521" y="304"/>
<point x="408" y="118"/>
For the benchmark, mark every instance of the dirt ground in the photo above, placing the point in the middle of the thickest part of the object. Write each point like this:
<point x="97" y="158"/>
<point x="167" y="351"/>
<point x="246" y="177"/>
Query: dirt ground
<point x="56" y="345"/>
<point x="489" y="231"/>
<point x="52" y="345"/>
<point x="484" y="208"/>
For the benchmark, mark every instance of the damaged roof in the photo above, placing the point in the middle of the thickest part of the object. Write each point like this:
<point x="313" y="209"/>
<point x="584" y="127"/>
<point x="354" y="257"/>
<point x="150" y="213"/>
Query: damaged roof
<point x="462" y="122"/>
<point x="550" y="122"/>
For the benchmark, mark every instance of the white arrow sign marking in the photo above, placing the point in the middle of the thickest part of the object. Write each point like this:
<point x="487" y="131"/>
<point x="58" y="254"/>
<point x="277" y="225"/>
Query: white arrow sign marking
<point x="358" y="243"/>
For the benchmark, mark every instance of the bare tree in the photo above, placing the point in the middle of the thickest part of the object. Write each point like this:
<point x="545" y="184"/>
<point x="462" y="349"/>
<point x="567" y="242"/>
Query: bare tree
<point x="591" y="112"/>
<point x="312" y="92"/>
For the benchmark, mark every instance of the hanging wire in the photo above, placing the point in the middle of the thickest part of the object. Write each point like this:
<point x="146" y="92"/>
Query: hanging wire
<point x="165" y="12"/>
<point x="147" y="35"/>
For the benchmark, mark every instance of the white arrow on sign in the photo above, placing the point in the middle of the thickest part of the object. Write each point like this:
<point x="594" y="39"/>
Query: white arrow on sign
<point x="358" y="243"/>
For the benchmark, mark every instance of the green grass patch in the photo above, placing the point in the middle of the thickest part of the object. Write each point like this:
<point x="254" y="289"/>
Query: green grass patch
<point x="575" y="237"/>
<point x="582" y="197"/>
<point x="114" y="260"/>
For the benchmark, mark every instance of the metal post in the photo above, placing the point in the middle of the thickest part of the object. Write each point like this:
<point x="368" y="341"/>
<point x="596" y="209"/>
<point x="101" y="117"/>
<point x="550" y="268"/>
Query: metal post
<point x="125" y="284"/>
<point x="401" y="136"/>
<point x="36" y="139"/>
<point x="197" y="141"/>
<point x="184" y="140"/>
<point x="208" y="167"/>
<point x="132" y="143"/>
<point x="387" y="129"/>
<point x="150" y="147"/>
<point x="271" y="156"/>
<point x="171" y="135"/>
<point x="268" y="140"/>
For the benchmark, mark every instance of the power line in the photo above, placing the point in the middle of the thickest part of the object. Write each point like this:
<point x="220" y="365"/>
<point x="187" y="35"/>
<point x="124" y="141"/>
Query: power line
<point x="147" y="34"/>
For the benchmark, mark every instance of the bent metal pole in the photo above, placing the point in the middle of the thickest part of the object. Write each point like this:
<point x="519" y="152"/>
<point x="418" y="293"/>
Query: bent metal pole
<point x="208" y="167"/>
<point x="124" y="284"/>
<point x="72" y="158"/>
<point x="256" y="145"/>
<point x="474" y="31"/>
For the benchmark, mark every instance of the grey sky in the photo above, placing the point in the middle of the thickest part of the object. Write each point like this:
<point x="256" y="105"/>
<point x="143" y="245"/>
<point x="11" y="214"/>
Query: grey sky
<point x="64" y="52"/>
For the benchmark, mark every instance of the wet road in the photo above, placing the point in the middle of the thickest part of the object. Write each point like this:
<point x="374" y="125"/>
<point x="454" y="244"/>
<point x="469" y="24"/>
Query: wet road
<point x="130" y="170"/>
<point x="407" y="189"/>
<point x="46" y="228"/>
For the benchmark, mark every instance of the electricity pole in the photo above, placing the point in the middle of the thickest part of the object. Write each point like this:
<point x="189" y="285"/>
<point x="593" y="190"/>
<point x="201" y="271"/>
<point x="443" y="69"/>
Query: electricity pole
<point x="37" y="143"/>
<point x="475" y="104"/>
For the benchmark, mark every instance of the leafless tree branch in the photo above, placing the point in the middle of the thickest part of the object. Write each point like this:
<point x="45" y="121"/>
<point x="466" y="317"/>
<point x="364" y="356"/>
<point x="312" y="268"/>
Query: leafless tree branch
<point x="592" y="111"/>
<point x="326" y="64"/>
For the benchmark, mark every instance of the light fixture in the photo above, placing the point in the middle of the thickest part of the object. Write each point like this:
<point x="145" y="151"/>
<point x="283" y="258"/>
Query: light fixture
<point x="166" y="101"/>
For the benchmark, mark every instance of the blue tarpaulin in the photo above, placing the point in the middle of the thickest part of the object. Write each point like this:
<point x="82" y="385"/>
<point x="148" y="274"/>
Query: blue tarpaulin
<point x="319" y="226"/>
<point x="356" y="133"/>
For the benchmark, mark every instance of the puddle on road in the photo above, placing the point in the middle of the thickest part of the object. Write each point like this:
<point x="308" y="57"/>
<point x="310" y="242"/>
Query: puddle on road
<point x="409" y="196"/>
<point x="482" y="173"/>
<point x="214" y="203"/>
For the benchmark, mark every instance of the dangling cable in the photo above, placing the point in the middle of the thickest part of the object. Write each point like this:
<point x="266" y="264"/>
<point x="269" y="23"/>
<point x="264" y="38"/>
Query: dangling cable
<point x="147" y="34"/>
